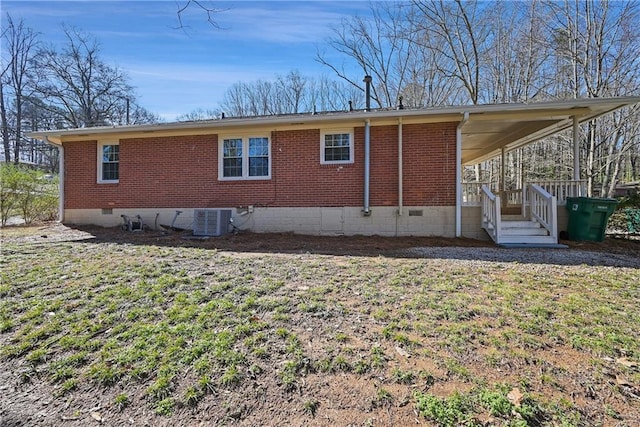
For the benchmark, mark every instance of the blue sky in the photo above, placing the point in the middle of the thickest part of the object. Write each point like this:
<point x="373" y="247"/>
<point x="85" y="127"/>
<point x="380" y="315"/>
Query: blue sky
<point x="176" y="71"/>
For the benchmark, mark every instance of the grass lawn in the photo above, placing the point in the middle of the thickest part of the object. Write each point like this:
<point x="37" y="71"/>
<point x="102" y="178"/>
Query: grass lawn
<point x="142" y="330"/>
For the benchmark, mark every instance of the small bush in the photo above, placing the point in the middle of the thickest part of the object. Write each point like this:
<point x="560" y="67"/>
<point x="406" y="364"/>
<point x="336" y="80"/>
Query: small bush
<point x="28" y="193"/>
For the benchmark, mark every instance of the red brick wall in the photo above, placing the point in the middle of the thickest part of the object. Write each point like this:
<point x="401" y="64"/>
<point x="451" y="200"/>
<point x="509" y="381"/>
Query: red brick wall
<point x="429" y="160"/>
<point x="171" y="172"/>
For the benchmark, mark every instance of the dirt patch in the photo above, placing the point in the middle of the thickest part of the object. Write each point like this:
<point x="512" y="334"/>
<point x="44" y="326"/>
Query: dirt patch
<point x="285" y="242"/>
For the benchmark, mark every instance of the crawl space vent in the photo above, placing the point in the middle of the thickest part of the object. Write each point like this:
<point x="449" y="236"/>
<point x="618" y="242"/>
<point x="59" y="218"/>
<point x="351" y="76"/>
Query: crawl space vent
<point x="211" y="222"/>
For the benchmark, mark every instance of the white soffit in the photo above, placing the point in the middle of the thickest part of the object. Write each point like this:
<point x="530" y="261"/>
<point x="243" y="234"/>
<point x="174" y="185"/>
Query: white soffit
<point x="486" y="133"/>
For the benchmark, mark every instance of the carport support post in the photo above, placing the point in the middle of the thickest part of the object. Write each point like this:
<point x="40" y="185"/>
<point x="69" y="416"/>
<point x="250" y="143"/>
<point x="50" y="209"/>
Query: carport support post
<point x="465" y="118"/>
<point x="576" y="149"/>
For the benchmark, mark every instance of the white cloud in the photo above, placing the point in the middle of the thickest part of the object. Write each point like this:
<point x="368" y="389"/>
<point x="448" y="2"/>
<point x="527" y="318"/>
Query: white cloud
<point x="303" y="22"/>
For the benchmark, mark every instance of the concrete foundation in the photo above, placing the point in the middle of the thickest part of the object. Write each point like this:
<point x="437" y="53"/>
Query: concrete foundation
<point x="383" y="221"/>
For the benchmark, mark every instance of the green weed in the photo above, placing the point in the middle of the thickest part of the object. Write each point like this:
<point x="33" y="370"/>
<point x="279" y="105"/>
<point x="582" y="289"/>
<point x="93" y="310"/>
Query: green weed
<point x="446" y="412"/>
<point x="311" y="407"/>
<point x="121" y="401"/>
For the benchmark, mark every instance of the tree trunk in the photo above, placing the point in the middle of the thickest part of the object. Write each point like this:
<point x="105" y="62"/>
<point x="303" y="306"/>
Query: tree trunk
<point x="6" y="142"/>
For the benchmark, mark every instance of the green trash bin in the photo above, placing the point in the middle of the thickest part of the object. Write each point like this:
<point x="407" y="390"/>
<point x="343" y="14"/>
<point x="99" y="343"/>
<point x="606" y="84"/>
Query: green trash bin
<point x="588" y="217"/>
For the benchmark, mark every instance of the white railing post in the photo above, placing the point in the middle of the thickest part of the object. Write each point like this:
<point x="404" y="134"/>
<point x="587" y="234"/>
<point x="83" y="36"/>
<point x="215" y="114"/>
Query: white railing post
<point x="554" y="218"/>
<point x="471" y="193"/>
<point x="523" y="202"/>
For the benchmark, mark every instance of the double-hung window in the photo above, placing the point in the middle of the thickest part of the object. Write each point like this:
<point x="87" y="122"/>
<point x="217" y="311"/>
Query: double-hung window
<point x="108" y="162"/>
<point x="336" y="147"/>
<point x="244" y="157"/>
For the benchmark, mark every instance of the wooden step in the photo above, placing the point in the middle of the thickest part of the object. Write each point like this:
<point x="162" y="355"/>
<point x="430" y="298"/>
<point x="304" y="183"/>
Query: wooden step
<point x="522" y="228"/>
<point x="527" y="239"/>
<point x="520" y="224"/>
<point x="537" y="231"/>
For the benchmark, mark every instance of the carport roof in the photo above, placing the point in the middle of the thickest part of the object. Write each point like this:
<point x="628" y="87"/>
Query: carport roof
<point x="490" y="129"/>
<point x="487" y="130"/>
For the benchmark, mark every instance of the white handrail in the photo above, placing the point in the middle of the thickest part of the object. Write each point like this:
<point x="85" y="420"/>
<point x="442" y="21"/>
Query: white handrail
<point x="561" y="189"/>
<point x="491" y="215"/>
<point x="544" y="209"/>
<point x="472" y="193"/>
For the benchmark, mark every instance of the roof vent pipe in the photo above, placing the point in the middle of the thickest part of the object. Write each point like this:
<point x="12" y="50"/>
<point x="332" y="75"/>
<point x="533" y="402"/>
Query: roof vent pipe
<point x="367" y="92"/>
<point x="400" y="106"/>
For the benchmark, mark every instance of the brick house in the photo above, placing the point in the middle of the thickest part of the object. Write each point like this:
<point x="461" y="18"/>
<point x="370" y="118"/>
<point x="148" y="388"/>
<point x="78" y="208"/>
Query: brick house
<point x="381" y="172"/>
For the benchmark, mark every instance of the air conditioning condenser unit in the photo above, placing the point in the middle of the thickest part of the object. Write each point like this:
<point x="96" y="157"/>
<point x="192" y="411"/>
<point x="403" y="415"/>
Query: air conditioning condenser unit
<point x="211" y="222"/>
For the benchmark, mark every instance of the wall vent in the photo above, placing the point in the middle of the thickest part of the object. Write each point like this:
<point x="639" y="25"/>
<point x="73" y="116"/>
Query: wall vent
<point x="211" y="222"/>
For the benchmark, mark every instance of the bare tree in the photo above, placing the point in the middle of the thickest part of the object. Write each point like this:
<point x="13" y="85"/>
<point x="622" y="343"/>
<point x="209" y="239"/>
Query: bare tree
<point x="458" y="32"/>
<point x="21" y="43"/>
<point x="517" y="53"/>
<point x="325" y="94"/>
<point x="597" y="50"/>
<point x="203" y="6"/>
<point x="199" y="114"/>
<point x="380" y="47"/>
<point x="78" y="84"/>
<point x="4" y="118"/>
<point x="288" y="94"/>
<point x="291" y="91"/>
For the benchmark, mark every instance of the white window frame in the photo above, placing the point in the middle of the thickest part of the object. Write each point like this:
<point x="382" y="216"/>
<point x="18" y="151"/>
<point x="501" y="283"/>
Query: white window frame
<point x="101" y="144"/>
<point x="323" y="147"/>
<point x="245" y="157"/>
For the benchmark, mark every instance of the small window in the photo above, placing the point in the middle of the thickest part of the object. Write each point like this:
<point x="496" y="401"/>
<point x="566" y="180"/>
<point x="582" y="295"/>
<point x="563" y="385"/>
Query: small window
<point x="336" y="147"/>
<point x="245" y="158"/>
<point x="108" y="162"/>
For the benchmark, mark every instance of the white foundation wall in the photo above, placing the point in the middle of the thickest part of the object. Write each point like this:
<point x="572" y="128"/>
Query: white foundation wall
<point x="112" y="218"/>
<point x="471" y="223"/>
<point x="383" y="221"/>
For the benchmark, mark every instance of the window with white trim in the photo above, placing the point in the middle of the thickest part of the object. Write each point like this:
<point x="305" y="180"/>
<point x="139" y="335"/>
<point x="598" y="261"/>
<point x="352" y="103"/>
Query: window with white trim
<point x="108" y="162"/>
<point x="336" y="146"/>
<point x="244" y="157"/>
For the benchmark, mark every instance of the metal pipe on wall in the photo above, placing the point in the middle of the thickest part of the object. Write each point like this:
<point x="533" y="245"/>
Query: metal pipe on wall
<point x="400" y="201"/>
<point x="366" y="211"/>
